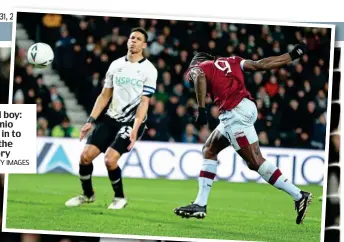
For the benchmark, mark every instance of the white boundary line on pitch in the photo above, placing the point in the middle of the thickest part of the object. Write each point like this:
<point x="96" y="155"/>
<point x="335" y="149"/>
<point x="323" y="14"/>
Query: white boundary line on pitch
<point x="167" y="17"/>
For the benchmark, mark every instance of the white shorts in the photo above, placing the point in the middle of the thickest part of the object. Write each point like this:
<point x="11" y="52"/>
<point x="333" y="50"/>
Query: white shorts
<point x="237" y="125"/>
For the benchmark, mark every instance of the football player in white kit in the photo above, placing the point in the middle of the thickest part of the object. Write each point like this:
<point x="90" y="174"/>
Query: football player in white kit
<point x="130" y="81"/>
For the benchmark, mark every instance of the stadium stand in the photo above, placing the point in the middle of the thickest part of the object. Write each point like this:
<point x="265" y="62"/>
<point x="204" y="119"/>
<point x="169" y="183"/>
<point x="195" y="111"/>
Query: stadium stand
<point x="85" y="46"/>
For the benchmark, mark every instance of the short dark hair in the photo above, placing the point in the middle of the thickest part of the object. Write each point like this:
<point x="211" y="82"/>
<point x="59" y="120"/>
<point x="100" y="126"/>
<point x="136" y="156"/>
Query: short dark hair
<point x="142" y="31"/>
<point x="200" y="57"/>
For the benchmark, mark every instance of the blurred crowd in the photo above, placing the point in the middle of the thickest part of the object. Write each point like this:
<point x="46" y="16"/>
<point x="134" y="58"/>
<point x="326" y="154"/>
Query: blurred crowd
<point x="85" y="47"/>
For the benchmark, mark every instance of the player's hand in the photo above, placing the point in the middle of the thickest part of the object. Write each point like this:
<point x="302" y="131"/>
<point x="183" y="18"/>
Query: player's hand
<point x="85" y="129"/>
<point x="133" y="138"/>
<point x="202" y="118"/>
<point x="299" y="50"/>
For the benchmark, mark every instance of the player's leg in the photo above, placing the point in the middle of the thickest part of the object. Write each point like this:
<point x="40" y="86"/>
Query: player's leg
<point x="272" y="174"/>
<point x="245" y="141"/>
<point x="112" y="156"/>
<point x="87" y="156"/>
<point x="89" y="153"/>
<point x="269" y="172"/>
<point x="96" y="143"/>
<point x="213" y="146"/>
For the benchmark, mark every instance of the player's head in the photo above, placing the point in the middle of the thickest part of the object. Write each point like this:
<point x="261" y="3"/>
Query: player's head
<point x="137" y="40"/>
<point x="201" y="57"/>
<point x="196" y="60"/>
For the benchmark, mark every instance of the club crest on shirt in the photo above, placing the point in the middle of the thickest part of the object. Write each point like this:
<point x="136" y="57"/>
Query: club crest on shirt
<point x="140" y="73"/>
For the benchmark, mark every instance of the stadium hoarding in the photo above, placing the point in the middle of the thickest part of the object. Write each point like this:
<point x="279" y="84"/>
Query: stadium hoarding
<point x="180" y="161"/>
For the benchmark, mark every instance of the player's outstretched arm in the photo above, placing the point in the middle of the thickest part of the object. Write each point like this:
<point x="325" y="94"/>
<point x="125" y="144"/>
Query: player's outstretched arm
<point x="100" y="104"/>
<point x="275" y="61"/>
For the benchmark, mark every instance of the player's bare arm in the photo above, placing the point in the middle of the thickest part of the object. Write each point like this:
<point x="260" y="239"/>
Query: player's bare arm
<point x="100" y="104"/>
<point x="267" y="63"/>
<point x="200" y="83"/>
<point x="275" y="61"/>
<point x="141" y="113"/>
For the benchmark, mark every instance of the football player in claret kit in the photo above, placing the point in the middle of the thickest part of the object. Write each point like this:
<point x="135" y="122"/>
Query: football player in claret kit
<point x="130" y="81"/>
<point x="223" y="79"/>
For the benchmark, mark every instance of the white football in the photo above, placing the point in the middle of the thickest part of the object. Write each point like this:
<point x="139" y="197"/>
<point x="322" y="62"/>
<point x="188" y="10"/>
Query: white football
<point x="40" y="55"/>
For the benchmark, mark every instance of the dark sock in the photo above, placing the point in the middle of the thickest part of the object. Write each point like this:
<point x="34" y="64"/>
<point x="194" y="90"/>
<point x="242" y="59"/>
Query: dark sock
<point x="116" y="181"/>
<point x="85" y="172"/>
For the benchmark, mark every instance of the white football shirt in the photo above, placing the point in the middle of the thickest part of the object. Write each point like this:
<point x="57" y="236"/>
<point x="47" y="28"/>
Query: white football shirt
<point x="129" y="82"/>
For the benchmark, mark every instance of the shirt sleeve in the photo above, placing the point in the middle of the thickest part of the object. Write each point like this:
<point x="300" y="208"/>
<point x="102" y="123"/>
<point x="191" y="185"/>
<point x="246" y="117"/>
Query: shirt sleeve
<point x="192" y="73"/>
<point x="108" y="82"/>
<point x="149" y="85"/>
<point x="242" y="64"/>
<point x="206" y="68"/>
<point x="240" y="60"/>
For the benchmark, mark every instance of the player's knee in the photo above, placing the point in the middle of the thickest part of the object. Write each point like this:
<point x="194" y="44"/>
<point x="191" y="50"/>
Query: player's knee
<point x="86" y="157"/>
<point x="111" y="161"/>
<point x="209" y="153"/>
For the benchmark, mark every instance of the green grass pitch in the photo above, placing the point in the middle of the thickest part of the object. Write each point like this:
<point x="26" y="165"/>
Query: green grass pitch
<point x="236" y="211"/>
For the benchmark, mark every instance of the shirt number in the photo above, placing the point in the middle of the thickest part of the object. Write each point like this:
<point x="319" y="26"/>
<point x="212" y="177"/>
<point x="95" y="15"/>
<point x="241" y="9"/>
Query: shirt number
<point x="225" y="67"/>
<point x="125" y="132"/>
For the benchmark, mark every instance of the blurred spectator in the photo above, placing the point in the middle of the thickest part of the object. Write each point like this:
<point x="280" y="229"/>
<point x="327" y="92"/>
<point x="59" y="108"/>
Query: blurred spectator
<point x="19" y="97"/>
<point x="203" y="134"/>
<point x="159" y="121"/>
<point x="179" y="122"/>
<point x="213" y="118"/>
<point x="56" y="114"/>
<point x="318" y="79"/>
<point x="263" y="138"/>
<point x="65" y="129"/>
<point x="160" y="94"/>
<point x="54" y="96"/>
<point x="51" y="26"/>
<point x="272" y="86"/>
<point x="189" y="135"/>
<point x="321" y="101"/>
<point x="319" y="132"/>
<point x="43" y="91"/>
<point x="42" y="127"/>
